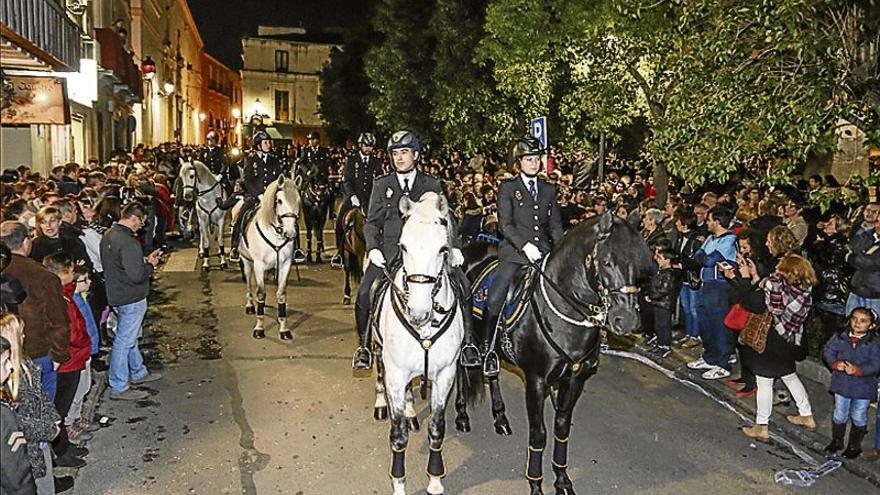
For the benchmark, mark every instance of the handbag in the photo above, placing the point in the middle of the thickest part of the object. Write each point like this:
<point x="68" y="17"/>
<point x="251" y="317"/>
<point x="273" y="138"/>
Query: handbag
<point x="736" y="318"/>
<point x="754" y="333"/>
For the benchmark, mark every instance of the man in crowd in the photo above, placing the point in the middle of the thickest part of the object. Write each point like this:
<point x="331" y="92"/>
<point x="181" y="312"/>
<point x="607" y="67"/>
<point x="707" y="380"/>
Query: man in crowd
<point x="864" y="258"/>
<point x="794" y="220"/>
<point x="127" y="275"/>
<point x="361" y="169"/>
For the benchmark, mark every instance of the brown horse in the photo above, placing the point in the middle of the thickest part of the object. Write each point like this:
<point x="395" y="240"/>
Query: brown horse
<point x="354" y="249"/>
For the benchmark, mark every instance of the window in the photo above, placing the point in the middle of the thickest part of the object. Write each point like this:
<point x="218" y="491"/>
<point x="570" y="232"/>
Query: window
<point x="282" y="105"/>
<point x="281" y="60"/>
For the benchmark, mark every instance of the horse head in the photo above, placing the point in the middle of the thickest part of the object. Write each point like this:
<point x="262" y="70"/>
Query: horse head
<point x="619" y="262"/>
<point x="424" y="246"/>
<point x="287" y="207"/>
<point x="190" y="179"/>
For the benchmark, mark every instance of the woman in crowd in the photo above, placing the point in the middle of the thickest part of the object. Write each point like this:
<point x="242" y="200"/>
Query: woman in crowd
<point x="828" y="254"/>
<point x="37" y="416"/>
<point x="787" y="295"/>
<point x="50" y="239"/>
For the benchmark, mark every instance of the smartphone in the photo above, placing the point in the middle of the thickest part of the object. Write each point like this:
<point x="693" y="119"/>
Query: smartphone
<point x="725" y="265"/>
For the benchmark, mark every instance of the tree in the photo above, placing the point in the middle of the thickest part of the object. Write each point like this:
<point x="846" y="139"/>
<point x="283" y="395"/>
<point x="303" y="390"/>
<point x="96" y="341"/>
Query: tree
<point x="400" y="67"/>
<point x="469" y="113"/>
<point x="345" y="88"/>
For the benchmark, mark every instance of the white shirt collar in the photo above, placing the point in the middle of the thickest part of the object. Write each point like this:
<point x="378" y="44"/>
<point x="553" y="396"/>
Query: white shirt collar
<point x="364" y="158"/>
<point x="527" y="180"/>
<point x="411" y="175"/>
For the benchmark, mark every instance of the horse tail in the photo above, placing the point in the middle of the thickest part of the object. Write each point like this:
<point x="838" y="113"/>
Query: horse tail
<point x="353" y="265"/>
<point x="470" y="384"/>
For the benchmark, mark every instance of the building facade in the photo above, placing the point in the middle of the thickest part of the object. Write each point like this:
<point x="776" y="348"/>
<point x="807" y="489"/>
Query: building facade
<point x="221" y="100"/>
<point x="280" y="78"/>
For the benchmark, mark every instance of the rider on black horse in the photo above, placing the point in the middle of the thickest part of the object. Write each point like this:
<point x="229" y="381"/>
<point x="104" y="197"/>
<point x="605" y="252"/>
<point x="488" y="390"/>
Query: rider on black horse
<point x="382" y="235"/>
<point x="260" y="169"/>
<point x="361" y="169"/>
<point x="213" y="156"/>
<point x="530" y="222"/>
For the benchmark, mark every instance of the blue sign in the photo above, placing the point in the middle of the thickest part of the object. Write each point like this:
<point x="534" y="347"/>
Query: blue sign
<point x="539" y="130"/>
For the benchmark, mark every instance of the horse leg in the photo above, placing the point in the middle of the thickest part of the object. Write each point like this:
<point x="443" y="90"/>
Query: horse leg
<point x="380" y="408"/>
<point x="502" y="425"/>
<point x="412" y="421"/>
<point x="205" y="241"/>
<point x="281" y="297"/>
<point x="567" y="396"/>
<point x="309" y="228"/>
<point x="437" y="428"/>
<point x="260" y="275"/>
<point x="221" y="221"/>
<point x="396" y="388"/>
<point x="462" y="420"/>
<point x="319" y="235"/>
<point x="346" y="296"/>
<point x="535" y="389"/>
<point x="247" y="268"/>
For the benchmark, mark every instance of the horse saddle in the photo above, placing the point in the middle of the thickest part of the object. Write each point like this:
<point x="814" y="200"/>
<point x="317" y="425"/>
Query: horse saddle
<point x="247" y="214"/>
<point x="377" y="293"/>
<point x="519" y="293"/>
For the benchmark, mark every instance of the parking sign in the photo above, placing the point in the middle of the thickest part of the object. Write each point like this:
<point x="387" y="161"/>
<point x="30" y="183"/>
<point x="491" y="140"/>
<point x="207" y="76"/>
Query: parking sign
<point x="539" y="130"/>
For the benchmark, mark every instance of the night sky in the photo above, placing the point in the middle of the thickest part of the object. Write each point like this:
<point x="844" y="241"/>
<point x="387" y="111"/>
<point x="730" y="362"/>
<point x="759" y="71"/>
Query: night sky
<point x="222" y="23"/>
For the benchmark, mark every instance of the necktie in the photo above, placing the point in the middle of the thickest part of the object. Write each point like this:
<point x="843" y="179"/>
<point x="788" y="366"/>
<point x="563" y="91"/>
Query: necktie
<point x="406" y="186"/>
<point x="533" y="190"/>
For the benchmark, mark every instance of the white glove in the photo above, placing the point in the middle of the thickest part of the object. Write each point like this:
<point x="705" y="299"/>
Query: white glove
<point x="377" y="258"/>
<point x="456" y="258"/>
<point x="355" y="201"/>
<point x="532" y="252"/>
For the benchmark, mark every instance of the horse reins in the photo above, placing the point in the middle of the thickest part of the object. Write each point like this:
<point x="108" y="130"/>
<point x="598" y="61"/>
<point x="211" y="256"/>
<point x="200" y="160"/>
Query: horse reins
<point x="199" y="194"/>
<point x="279" y="231"/>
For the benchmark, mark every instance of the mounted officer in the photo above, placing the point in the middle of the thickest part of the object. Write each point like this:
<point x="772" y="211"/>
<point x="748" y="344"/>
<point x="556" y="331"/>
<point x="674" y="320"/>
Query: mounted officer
<point x="361" y="169"/>
<point x="213" y="155"/>
<point x="382" y="234"/>
<point x="260" y="169"/>
<point x="314" y="161"/>
<point x="530" y="222"/>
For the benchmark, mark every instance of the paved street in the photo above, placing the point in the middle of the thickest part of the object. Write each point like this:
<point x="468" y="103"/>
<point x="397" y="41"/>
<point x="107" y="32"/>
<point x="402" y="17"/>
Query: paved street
<point x="236" y="415"/>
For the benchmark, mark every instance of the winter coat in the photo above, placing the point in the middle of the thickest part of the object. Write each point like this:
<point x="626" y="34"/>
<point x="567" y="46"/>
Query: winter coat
<point x="37" y="417"/>
<point x="68" y="242"/>
<point x="828" y="255"/>
<point x="664" y="289"/>
<point x="865" y="259"/>
<point x="80" y="342"/>
<point x="15" y="472"/>
<point x="865" y="354"/>
<point x="126" y="273"/>
<point x="91" y="323"/>
<point x="44" y="313"/>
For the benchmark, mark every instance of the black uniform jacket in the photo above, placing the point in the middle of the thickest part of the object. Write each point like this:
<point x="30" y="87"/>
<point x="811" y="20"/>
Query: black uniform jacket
<point x="522" y="219"/>
<point x="214" y="158"/>
<point x="384" y="222"/>
<point x="260" y="172"/>
<point x="358" y="177"/>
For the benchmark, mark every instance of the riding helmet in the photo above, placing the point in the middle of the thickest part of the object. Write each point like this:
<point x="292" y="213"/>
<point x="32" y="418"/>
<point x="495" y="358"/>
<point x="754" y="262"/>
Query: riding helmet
<point x="259" y="137"/>
<point x="314" y="135"/>
<point x="367" y="139"/>
<point x="526" y="146"/>
<point x="403" y="139"/>
<point x="211" y="135"/>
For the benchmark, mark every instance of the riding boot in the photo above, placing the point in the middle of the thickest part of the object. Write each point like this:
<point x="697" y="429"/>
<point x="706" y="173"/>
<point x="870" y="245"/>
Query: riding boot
<point x="363" y="358"/>
<point x="228" y="203"/>
<point x="491" y="363"/>
<point x="470" y="354"/>
<point x="236" y="238"/>
<point x="854" y="445"/>
<point x="838" y="432"/>
<point x="336" y="260"/>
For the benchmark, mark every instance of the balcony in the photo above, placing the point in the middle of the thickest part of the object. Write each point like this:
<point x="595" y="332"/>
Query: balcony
<point x="115" y="58"/>
<point x="42" y="28"/>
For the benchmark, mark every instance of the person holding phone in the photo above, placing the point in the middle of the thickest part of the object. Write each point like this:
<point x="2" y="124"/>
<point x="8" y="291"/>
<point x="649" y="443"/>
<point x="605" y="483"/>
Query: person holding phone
<point x="127" y="274"/>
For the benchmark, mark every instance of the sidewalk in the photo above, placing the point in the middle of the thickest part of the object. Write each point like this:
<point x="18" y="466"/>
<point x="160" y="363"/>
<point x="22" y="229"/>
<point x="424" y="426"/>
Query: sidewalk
<point x="821" y="400"/>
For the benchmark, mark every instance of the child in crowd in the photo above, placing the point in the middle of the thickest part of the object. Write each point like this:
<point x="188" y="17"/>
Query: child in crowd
<point x="854" y="358"/>
<point x="77" y="424"/>
<point x="662" y="297"/>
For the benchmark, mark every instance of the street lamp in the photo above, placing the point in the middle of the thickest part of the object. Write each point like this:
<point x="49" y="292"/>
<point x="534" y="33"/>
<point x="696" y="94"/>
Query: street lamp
<point x="202" y="116"/>
<point x="236" y="113"/>
<point x="168" y="87"/>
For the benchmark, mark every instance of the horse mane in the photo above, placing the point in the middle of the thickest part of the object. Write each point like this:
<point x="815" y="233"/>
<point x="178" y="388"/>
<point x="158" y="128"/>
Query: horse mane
<point x="266" y="213"/>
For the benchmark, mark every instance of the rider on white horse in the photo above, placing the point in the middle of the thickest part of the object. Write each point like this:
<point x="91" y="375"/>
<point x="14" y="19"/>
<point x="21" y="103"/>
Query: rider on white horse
<point x="260" y="170"/>
<point x="382" y="234"/>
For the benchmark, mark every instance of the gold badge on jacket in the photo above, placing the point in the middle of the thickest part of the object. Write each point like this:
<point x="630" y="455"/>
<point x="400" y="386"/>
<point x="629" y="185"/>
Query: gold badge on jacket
<point x="389" y="192"/>
<point x="518" y="195"/>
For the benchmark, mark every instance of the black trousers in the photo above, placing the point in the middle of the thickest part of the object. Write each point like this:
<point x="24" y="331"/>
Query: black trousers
<point x="344" y="208"/>
<point x="67" y="384"/>
<point x="249" y="202"/>
<point x="362" y="303"/>
<point x="504" y="276"/>
<point x="662" y="325"/>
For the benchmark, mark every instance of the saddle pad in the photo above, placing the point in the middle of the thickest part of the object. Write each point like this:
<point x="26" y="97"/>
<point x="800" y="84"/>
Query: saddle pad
<point x="517" y="296"/>
<point x="247" y="216"/>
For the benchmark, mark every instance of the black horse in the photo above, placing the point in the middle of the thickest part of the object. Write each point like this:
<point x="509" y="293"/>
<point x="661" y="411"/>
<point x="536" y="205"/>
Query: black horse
<point x="316" y="197"/>
<point x="598" y="268"/>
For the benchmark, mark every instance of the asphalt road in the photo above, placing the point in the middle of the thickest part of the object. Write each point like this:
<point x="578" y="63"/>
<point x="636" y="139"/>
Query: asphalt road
<point x="237" y="415"/>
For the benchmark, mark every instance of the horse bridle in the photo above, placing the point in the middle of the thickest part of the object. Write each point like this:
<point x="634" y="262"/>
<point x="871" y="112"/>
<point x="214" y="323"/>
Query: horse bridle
<point x="195" y="185"/>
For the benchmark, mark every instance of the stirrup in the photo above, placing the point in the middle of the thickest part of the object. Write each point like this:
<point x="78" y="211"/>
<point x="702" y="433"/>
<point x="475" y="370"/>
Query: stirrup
<point x="491" y="357"/>
<point x="336" y="261"/>
<point x="361" y="350"/>
<point x="233" y="256"/>
<point x="299" y="256"/>
<point x="474" y="360"/>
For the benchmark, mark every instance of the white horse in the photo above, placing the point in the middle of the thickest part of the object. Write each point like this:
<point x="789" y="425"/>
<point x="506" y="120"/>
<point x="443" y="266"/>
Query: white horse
<point x="421" y="330"/>
<point x="267" y="243"/>
<point x="203" y="187"/>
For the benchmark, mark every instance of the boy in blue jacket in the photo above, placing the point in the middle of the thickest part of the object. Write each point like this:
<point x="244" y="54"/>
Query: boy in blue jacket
<point x="854" y="358"/>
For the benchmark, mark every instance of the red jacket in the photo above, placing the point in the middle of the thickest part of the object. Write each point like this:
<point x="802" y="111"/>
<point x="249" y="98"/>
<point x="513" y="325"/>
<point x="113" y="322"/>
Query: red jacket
<point x="80" y="342"/>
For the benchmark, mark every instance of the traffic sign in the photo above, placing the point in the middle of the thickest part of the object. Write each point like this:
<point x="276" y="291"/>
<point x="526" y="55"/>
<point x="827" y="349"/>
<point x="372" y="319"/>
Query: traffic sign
<point x="539" y="130"/>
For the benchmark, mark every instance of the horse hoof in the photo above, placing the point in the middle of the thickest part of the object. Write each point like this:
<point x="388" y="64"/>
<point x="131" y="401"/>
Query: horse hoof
<point x="250" y="310"/>
<point x="224" y="266"/>
<point x="502" y="427"/>
<point x="564" y="490"/>
<point x="380" y="413"/>
<point x="413" y="424"/>
<point x="259" y="334"/>
<point x="206" y="268"/>
<point x="346" y="299"/>
<point x="286" y="335"/>
<point x="463" y="425"/>
<point x="536" y="488"/>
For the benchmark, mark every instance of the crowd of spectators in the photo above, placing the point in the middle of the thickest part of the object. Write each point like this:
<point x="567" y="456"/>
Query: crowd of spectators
<point x="723" y="254"/>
